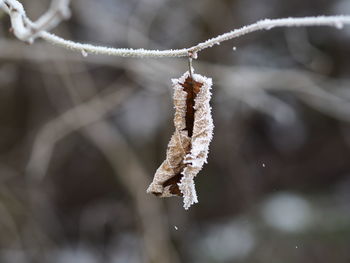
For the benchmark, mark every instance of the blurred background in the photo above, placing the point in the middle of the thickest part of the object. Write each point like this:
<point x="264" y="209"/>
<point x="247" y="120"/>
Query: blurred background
<point x="82" y="135"/>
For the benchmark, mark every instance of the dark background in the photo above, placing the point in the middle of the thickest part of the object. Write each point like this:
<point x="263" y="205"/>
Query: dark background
<point x="73" y="178"/>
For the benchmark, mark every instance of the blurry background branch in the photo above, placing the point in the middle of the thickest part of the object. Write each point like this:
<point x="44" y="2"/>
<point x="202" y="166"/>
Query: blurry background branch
<point x="89" y="119"/>
<point x="68" y="122"/>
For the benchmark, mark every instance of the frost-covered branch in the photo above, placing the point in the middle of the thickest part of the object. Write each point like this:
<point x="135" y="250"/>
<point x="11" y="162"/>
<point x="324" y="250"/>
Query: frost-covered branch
<point x="59" y="10"/>
<point x="267" y="24"/>
<point x="25" y="29"/>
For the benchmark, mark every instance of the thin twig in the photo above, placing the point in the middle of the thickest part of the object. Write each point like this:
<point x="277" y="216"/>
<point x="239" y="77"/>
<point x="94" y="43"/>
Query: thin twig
<point x="21" y="23"/>
<point x="267" y="24"/>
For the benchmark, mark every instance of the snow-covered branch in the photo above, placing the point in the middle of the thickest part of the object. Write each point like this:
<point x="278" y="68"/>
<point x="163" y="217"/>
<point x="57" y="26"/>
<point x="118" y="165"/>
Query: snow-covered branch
<point x="26" y="30"/>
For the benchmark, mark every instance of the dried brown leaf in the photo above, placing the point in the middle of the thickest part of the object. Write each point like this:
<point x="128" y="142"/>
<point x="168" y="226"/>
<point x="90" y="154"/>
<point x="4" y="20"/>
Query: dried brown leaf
<point x="188" y="147"/>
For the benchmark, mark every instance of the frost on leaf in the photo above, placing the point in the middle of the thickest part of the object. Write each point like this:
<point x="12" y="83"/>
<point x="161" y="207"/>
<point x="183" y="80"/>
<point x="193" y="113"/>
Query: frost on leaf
<point x="188" y="147"/>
